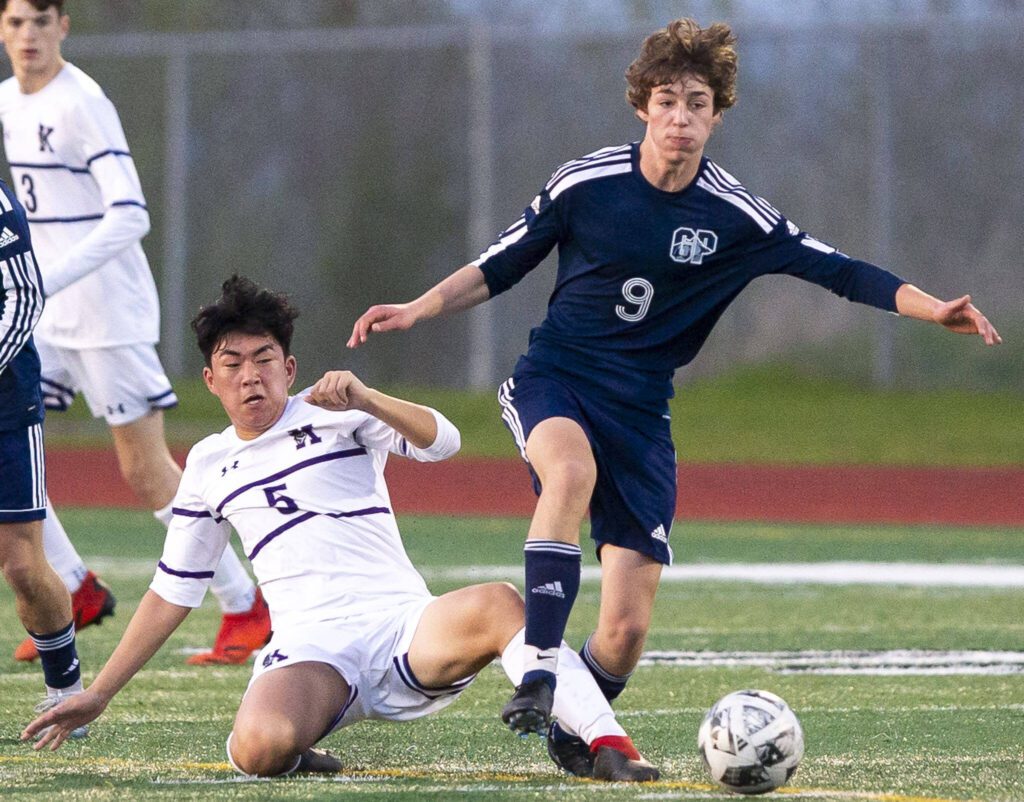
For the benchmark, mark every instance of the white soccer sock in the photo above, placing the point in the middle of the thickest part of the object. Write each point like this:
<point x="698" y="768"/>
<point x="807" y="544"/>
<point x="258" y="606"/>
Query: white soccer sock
<point x="60" y="553"/>
<point x="231" y="584"/>
<point x="580" y="707"/>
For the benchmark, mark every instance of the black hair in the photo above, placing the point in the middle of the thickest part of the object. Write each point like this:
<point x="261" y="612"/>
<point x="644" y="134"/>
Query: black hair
<point x="247" y="308"/>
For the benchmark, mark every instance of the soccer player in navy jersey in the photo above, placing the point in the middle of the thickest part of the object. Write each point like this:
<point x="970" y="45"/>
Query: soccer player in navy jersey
<point x="654" y="241"/>
<point x="42" y="601"/>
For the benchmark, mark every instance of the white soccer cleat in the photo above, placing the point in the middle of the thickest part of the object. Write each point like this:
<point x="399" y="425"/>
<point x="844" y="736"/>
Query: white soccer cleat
<point x="50" y="701"/>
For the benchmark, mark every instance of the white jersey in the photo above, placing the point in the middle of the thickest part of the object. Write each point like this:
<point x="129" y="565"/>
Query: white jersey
<point x="309" y="502"/>
<point x="75" y="177"/>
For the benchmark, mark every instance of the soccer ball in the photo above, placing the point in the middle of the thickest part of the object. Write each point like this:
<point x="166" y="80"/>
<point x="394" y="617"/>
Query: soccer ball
<point x="751" y="742"/>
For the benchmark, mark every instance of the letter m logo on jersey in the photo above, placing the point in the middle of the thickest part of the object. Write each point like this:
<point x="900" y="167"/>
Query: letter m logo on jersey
<point x="690" y="247"/>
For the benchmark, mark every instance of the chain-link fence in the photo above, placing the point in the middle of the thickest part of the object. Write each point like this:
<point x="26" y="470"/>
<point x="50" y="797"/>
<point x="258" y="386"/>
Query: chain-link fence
<point x="350" y="166"/>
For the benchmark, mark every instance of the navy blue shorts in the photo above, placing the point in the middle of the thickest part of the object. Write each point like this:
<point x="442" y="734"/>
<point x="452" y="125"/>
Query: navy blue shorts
<point x="23" y="489"/>
<point x="634" y="500"/>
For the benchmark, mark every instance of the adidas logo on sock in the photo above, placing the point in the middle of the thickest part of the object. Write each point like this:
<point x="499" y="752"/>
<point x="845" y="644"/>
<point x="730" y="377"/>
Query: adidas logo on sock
<point x="550" y="589"/>
<point x="659" y="534"/>
<point x="8" y="237"/>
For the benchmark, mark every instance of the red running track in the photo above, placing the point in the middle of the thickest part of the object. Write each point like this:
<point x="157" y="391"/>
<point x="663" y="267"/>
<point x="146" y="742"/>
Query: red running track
<point x="721" y="492"/>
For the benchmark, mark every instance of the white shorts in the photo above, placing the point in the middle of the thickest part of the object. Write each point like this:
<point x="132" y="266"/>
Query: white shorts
<point x="121" y="384"/>
<point x="371" y="654"/>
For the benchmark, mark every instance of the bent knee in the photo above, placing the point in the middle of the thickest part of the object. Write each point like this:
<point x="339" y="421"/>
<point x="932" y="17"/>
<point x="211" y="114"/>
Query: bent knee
<point x="570" y="477"/>
<point x="266" y="750"/>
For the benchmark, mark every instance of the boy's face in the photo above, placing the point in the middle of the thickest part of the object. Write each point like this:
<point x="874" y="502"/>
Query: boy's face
<point x="680" y="118"/>
<point x="32" y="39"/>
<point x="250" y="375"/>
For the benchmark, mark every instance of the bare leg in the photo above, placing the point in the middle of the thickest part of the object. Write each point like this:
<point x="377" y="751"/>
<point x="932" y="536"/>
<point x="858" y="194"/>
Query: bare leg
<point x="282" y="715"/>
<point x="42" y="601"/>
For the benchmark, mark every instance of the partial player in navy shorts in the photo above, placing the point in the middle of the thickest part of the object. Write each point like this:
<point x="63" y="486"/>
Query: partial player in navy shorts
<point x="634" y="499"/>
<point x="23" y="489"/>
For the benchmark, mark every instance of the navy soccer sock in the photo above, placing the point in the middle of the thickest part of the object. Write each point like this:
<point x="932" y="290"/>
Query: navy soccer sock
<point x="610" y="684"/>
<point x="552" y="583"/>
<point x="59" y="657"/>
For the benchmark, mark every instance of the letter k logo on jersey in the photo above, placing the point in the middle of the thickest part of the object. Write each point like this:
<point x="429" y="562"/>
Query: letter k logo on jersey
<point x="44" y="138"/>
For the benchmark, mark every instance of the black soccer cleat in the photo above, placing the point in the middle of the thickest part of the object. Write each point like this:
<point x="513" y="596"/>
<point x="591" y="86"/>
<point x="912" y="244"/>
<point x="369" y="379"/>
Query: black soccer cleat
<point x="529" y="709"/>
<point x="611" y="765"/>
<point x="570" y="752"/>
<point x="317" y="761"/>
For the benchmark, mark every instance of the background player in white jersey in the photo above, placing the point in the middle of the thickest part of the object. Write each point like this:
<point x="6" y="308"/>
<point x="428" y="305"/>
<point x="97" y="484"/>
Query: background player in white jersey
<point x="75" y="176"/>
<point x="654" y="241"/>
<point x="357" y="635"/>
<point x="43" y="603"/>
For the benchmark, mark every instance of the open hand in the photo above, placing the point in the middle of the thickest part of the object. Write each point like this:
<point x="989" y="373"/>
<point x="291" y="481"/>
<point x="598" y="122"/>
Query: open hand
<point x="54" y="727"/>
<point x="382" y="317"/>
<point x="963" y="317"/>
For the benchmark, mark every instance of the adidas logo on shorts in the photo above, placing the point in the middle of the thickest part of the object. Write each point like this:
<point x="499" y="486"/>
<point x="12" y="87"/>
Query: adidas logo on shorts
<point x="659" y="534"/>
<point x="8" y="237"/>
<point x="550" y="589"/>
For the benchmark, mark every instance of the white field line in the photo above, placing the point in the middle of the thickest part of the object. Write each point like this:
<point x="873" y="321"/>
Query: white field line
<point x="904" y="662"/>
<point x="827" y="573"/>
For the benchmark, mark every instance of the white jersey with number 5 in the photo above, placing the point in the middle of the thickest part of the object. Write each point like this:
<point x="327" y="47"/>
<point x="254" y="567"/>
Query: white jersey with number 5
<point x="309" y="502"/>
<point x="74" y="175"/>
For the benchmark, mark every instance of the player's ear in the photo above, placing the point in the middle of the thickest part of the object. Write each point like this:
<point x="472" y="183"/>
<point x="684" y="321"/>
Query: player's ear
<point x="208" y="378"/>
<point x="290" y="367"/>
<point x="65" y="26"/>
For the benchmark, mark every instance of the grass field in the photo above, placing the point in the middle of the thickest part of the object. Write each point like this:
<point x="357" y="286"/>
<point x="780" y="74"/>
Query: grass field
<point x="895" y="736"/>
<point x="767" y="413"/>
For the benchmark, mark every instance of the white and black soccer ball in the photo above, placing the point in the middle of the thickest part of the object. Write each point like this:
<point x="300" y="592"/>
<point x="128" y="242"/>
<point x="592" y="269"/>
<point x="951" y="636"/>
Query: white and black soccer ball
<point x="751" y="742"/>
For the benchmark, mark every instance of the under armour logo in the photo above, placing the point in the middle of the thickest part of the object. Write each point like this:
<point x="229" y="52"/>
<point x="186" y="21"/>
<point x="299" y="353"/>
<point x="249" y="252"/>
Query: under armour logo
<point x="226" y="468"/>
<point x="112" y="408"/>
<point x="274" y="657"/>
<point x="304" y="432"/>
<point x="692" y="246"/>
<point x="44" y="138"/>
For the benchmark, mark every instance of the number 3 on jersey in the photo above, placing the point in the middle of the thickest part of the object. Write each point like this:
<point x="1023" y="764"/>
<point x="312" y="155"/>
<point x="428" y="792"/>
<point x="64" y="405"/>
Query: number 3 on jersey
<point x="638" y="292"/>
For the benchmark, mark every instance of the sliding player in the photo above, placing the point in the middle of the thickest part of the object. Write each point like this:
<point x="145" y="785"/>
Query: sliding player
<point x="654" y="242"/>
<point x="76" y="178"/>
<point x="357" y="635"/>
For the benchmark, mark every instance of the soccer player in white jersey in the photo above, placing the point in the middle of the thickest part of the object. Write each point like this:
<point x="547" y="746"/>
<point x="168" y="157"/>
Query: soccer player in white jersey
<point x="75" y="176"/>
<point x="654" y="241"/>
<point x="357" y="634"/>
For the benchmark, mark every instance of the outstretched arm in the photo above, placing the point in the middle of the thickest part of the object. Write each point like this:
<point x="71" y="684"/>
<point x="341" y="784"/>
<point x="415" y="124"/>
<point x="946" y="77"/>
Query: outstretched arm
<point x="461" y="290"/>
<point x="149" y="628"/>
<point x="958" y="315"/>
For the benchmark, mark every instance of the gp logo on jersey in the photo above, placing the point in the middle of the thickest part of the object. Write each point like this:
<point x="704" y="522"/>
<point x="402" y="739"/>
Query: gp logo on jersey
<point x="690" y="246"/>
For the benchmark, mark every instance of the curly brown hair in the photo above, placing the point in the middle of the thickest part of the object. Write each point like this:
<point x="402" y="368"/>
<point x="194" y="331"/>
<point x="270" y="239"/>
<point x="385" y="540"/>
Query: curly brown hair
<point x="684" y="47"/>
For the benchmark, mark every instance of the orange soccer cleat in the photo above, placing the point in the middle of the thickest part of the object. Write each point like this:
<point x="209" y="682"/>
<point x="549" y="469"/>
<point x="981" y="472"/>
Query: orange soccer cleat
<point x="240" y="635"/>
<point x="90" y="604"/>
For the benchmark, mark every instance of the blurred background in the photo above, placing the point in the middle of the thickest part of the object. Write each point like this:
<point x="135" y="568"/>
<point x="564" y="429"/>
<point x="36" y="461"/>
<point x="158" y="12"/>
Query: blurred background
<point x="357" y="151"/>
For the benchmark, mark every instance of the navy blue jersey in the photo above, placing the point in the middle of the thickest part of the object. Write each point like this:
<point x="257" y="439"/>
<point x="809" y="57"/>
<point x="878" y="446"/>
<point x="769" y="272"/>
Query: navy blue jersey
<point x="644" y="274"/>
<point x="21" y="302"/>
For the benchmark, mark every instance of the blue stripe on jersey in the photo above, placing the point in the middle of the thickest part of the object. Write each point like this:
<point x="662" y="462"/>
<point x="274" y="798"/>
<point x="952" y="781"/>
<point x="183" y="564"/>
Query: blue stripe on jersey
<point x="358" y="513"/>
<point x="351" y="452"/>
<point x="110" y="152"/>
<point x="280" y="530"/>
<point x="50" y="166"/>
<point x="184" y="574"/>
<point x="191" y="513"/>
<point x="129" y="203"/>
<point x="81" y="219"/>
<point x="152" y="398"/>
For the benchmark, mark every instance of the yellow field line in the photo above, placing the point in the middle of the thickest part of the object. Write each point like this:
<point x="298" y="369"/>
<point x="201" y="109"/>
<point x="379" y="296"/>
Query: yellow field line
<point x="487" y="776"/>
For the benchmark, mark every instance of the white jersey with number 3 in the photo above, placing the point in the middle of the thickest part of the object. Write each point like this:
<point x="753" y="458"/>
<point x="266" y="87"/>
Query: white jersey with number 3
<point x="74" y="175"/>
<point x="309" y="502"/>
